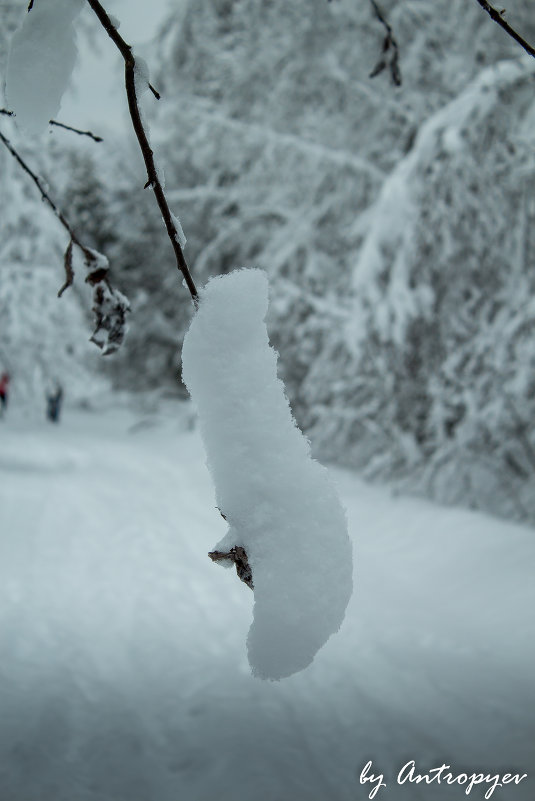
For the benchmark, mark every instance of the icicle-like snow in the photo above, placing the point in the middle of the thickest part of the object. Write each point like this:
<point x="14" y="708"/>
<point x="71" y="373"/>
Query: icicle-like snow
<point x="280" y="504"/>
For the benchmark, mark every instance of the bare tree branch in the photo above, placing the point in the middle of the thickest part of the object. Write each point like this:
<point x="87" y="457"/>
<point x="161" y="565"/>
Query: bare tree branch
<point x="148" y="156"/>
<point x="390" y="55"/>
<point x="93" y="136"/>
<point x="110" y="305"/>
<point x="497" y="16"/>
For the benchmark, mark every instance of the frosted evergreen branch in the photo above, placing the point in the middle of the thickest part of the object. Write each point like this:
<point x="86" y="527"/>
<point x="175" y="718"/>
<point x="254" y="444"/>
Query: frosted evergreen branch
<point x="497" y="16"/>
<point x="153" y="179"/>
<point x="91" y="135"/>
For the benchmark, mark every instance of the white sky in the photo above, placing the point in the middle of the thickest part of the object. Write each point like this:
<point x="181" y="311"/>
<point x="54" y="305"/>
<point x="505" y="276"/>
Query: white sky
<point x="96" y="99"/>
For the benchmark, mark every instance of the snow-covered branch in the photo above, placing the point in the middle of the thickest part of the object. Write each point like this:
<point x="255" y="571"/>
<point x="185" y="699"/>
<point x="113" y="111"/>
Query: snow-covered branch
<point x="287" y="529"/>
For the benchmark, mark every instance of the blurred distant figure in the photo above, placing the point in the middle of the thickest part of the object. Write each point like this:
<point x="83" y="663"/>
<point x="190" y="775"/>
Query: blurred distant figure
<point x="4" y="384"/>
<point x="54" y="400"/>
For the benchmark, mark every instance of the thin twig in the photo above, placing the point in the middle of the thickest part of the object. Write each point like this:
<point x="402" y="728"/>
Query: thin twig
<point x="110" y="306"/>
<point x="390" y="46"/>
<point x="69" y="272"/>
<point x="46" y="197"/>
<point x="93" y="136"/>
<point x="97" y="277"/>
<point x="497" y="16"/>
<point x="148" y="156"/>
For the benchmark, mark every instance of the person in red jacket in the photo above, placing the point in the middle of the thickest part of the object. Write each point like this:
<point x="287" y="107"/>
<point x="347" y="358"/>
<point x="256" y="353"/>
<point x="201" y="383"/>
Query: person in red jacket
<point x="4" y="384"/>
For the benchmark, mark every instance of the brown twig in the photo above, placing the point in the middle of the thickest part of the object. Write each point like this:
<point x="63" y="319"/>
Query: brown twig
<point x="110" y="306"/>
<point x="148" y="156"/>
<point x="93" y="136"/>
<point x="390" y="47"/>
<point x="497" y="16"/>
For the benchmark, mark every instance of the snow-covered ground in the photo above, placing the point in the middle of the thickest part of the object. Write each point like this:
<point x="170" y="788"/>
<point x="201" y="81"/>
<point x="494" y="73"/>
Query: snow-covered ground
<point x="123" y="671"/>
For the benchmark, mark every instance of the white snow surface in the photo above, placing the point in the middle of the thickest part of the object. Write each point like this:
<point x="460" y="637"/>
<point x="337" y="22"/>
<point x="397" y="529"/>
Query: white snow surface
<point x="98" y="262"/>
<point x="41" y="59"/>
<point x="279" y="503"/>
<point x="124" y="675"/>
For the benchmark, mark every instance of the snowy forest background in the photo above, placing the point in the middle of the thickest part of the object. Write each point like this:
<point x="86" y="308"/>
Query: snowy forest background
<point x="395" y="224"/>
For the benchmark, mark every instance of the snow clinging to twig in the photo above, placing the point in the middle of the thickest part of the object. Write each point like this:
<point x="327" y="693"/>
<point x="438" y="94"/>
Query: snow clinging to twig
<point x="280" y="504"/>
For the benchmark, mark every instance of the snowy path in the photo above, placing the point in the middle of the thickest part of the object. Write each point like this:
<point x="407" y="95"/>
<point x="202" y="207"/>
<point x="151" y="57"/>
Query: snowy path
<point x="124" y="675"/>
